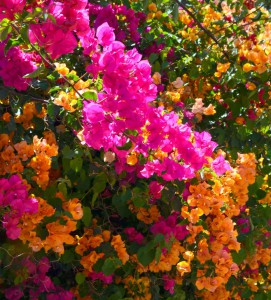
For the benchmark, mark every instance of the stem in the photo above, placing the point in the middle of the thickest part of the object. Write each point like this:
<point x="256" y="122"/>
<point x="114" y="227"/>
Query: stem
<point x="209" y="33"/>
<point x="49" y="62"/>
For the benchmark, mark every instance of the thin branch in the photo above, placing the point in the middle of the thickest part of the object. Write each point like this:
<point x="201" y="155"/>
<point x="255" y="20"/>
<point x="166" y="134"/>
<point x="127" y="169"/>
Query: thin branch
<point x="49" y="62"/>
<point x="209" y="33"/>
<point x="33" y="98"/>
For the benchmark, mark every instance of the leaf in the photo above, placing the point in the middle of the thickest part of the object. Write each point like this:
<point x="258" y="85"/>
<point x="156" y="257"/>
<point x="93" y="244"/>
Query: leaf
<point x="153" y="57"/>
<point x="67" y="152"/>
<point x="87" y="216"/>
<point x="91" y="95"/>
<point x="4" y="32"/>
<point x="126" y="146"/>
<point x="80" y="278"/>
<point x="175" y="12"/>
<point x="67" y="257"/>
<point x="76" y="164"/>
<point x="146" y="256"/>
<point x="121" y="203"/>
<point x="109" y="266"/>
<point x="63" y="188"/>
<point x="99" y="183"/>
<point x="36" y="73"/>
<point x="158" y="253"/>
<point x="239" y="257"/>
<point x="257" y="17"/>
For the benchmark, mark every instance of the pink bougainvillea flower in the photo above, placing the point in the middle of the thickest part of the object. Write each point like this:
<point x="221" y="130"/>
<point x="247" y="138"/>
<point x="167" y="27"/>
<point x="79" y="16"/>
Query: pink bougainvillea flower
<point x="53" y="39"/>
<point x="105" y="34"/>
<point x="133" y="235"/>
<point x="9" y="7"/>
<point x="155" y="190"/>
<point x="14" y="65"/>
<point x="168" y="284"/>
<point x="220" y="165"/>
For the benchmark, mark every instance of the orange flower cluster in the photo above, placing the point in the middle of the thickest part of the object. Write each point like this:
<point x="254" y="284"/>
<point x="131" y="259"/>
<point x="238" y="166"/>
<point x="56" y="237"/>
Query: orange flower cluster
<point x="69" y="101"/>
<point x="257" y="49"/>
<point x="219" y="201"/>
<point x="44" y="149"/>
<point x="28" y="113"/>
<point x="119" y="246"/>
<point x="59" y="231"/>
<point x="138" y="288"/>
<point x="30" y="222"/>
<point x="89" y="241"/>
<point x="12" y="156"/>
<point x="168" y="259"/>
<point x="146" y="215"/>
<point x="261" y="256"/>
<point x="90" y="260"/>
<point x="59" y="234"/>
<point x="15" y="157"/>
<point x="73" y="206"/>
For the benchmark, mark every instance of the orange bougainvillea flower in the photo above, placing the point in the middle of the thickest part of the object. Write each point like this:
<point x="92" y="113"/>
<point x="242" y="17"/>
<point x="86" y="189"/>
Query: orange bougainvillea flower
<point x="106" y="234"/>
<point x="183" y="267"/>
<point x="74" y="207"/>
<point x="89" y="260"/>
<point x="6" y="117"/>
<point x="208" y="283"/>
<point x="188" y="255"/>
<point x="209" y="110"/>
<point x="119" y="246"/>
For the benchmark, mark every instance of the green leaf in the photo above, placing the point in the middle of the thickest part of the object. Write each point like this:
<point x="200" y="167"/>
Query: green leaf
<point x="87" y="216"/>
<point x="67" y="257"/>
<point x="239" y="257"/>
<point x="175" y="12"/>
<point x="36" y="73"/>
<point x="158" y="253"/>
<point x="109" y="266"/>
<point x="126" y="146"/>
<point x="67" y="152"/>
<point x="139" y="199"/>
<point x="63" y="188"/>
<point x="4" y="32"/>
<point x="257" y="18"/>
<point x="121" y="203"/>
<point x="159" y="238"/>
<point x="91" y="95"/>
<point x="80" y="278"/>
<point x="153" y="57"/>
<point x="99" y="183"/>
<point x="76" y="164"/>
<point x="146" y="256"/>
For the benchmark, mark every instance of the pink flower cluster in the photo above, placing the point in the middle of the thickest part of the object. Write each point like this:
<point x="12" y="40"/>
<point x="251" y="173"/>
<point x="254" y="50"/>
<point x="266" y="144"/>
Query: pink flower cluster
<point x="168" y="284"/>
<point x="38" y="283"/>
<point x="170" y="228"/>
<point x="124" y="29"/>
<point x="15" y="202"/>
<point x="123" y="105"/>
<point x="133" y="235"/>
<point x="100" y="276"/>
<point x="9" y="7"/>
<point x="155" y="191"/>
<point x="58" y="38"/>
<point x="14" y="65"/>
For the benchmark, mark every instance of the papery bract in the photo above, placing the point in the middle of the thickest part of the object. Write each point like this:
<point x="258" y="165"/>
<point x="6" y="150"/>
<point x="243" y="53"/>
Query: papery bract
<point x="53" y="39"/>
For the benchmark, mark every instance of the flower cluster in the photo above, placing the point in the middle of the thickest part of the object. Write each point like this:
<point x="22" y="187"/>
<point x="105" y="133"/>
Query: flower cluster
<point x="14" y="65"/>
<point x="124" y="21"/>
<point x="15" y="202"/>
<point x="38" y="283"/>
